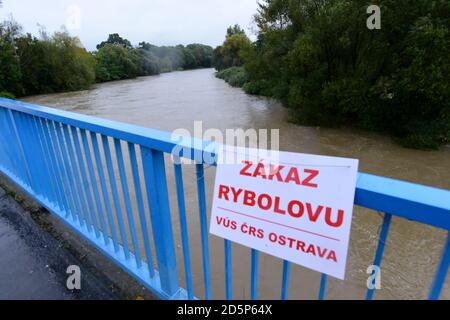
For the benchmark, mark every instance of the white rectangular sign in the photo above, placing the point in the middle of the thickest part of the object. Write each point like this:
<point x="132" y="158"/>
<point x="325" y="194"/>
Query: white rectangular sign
<point x="294" y="206"/>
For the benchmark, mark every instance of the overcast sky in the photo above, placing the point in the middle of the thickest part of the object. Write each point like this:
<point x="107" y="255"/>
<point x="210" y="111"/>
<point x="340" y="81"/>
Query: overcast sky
<point x="161" y="22"/>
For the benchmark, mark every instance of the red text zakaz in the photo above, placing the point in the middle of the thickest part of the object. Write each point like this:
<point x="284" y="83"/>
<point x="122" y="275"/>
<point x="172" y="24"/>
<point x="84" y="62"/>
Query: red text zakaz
<point x="275" y="172"/>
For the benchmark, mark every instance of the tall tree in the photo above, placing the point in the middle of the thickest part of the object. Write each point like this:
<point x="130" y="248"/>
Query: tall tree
<point x="236" y="29"/>
<point x="230" y="53"/>
<point x="115" y="39"/>
<point x="10" y="72"/>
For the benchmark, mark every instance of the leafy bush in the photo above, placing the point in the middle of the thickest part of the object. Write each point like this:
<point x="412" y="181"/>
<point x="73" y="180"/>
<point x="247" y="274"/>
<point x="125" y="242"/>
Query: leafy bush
<point x="235" y="76"/>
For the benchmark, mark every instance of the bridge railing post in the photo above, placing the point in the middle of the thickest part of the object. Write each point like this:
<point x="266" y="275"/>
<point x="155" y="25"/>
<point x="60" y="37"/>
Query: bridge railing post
<point x="158" y="200"/>
<point x="20" y="144"/>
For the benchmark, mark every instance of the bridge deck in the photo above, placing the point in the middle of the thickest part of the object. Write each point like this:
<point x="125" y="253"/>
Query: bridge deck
<point x="33" y="263"/>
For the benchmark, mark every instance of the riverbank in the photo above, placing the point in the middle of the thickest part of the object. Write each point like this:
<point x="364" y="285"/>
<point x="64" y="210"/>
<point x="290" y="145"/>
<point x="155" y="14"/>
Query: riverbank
<point x="238" y="77"/>
<point x="8" y="95"/>
<point x="37" y="248"/>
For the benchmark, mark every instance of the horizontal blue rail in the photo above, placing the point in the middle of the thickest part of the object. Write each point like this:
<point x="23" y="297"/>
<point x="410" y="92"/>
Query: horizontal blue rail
<point x="79" y="167"/>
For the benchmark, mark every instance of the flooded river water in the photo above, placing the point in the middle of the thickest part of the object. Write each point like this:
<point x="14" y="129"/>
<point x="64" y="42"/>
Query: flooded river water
<point x="175" y="100"/>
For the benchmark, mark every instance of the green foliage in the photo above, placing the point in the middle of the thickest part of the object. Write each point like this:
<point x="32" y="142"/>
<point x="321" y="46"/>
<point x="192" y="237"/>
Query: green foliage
<point x="192" y="56"/>
<point x="8" y="95"/>
<point x="235" y="76"/>
<point x="10" y="73"/>
<point x="115" y="39"/>
<point x="233" y="51"/>
<point x="319" y="58"/>
<point x="116" y="62"/>
<point x="197" y="56"/>
<point x="54" y="64"/>
<point x="31" y="65"/>
<point x="236" y="29"/>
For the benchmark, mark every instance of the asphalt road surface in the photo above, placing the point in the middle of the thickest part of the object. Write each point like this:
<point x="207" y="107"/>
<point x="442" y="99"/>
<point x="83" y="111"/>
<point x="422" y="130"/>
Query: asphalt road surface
<point x="33" y="264"/>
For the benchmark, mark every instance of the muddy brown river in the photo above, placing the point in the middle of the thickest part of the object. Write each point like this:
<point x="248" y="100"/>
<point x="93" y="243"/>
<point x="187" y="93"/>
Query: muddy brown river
<point x="175" y="100"/>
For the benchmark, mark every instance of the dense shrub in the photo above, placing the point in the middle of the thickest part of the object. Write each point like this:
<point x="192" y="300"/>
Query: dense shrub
<point x="235" y="76"/>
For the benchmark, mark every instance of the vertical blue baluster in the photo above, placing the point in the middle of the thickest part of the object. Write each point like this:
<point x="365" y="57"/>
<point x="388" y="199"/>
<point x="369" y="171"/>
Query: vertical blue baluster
<point x="141" y="209"/>
<point x="184" y="229"/>
<point x="285" y="280"/>
<point x="106" y="200"/>
<point x="13" y="150"/>
<point x="57" y="145"/>
<point x="228" y="270"/>
<point x="112" y="182"/>
<point x="203" y="229"/>
<point x="323" y="286"/>
<point x="52" y="165"/>
<point x="76" y="215"/>
<point x="38" y="158"/>
<point x="87" y="190"/>
<point x="19" y="168"/>
<point x="254" y="276"/>
<point x="158" y="201"/>
<point x="70" y="208"/>
<point x="6" y="136"/>
<point x="56" y="199"/>
<point x="98" y="201"/>
<point x="23" y="160"/>
<point x="3" y="154"/>
<point x="48" y="133"/>
<point x="381" y="243"/>
<point x="126" y="197"/>
<point x="29" y="144"/>
<point x="441" y="273"/>
<point x="49" y="192"/>
<point x="84" y="214"/>
<point x="16" y="167"/>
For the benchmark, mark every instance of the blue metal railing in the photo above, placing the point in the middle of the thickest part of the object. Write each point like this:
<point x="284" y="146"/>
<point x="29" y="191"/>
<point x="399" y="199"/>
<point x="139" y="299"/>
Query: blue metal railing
<point x="60" y="158"/>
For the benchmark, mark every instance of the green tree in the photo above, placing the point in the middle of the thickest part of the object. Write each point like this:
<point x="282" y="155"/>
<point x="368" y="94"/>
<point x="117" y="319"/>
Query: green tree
<point x="56" y="63"/>
<point x="180" y="57"/>
<point x="115" y="39"/>
<point x="236" y="29"/>
<point x="231" y="52"/>
<point x="197" y="56"/>
<point x="10" y="73"/>
<point x="115" y="62"/>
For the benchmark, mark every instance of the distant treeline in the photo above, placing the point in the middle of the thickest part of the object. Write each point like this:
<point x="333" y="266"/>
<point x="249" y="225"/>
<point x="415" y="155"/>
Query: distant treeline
<point x="321" y="60"/>
<point x="117" y="59"/>
<point x="55" y="63"/>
